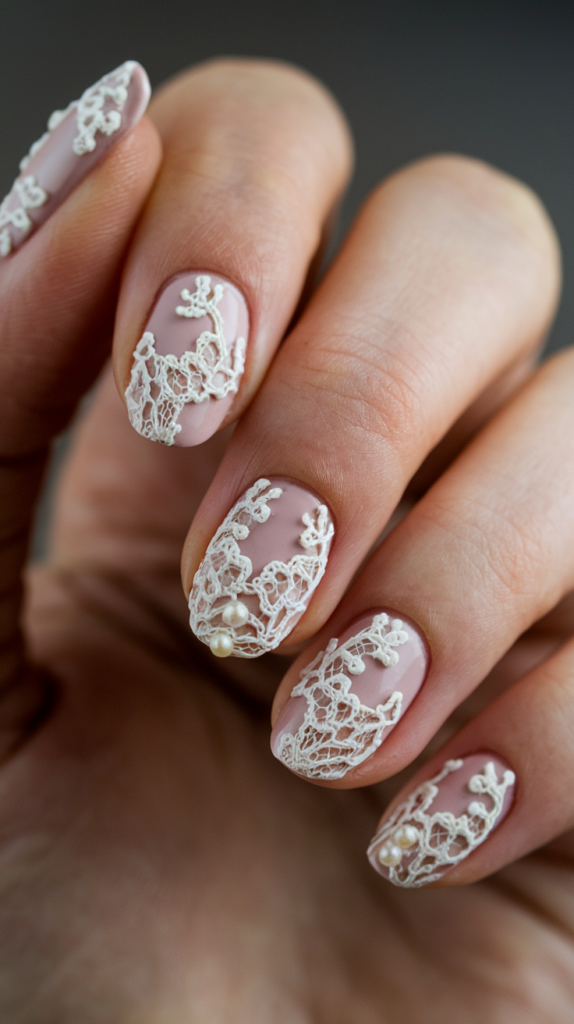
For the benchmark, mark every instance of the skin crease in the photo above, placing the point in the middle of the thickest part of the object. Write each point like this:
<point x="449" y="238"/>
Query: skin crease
<point x="156" y="864"/>
<point x="155" y="832"/>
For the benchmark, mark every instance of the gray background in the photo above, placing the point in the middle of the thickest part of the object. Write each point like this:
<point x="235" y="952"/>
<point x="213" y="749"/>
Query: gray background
<point x="490" y="79"/>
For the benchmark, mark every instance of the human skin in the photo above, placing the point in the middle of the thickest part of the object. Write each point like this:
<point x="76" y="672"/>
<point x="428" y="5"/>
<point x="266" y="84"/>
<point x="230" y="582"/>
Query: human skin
<point x="156" y="862"/>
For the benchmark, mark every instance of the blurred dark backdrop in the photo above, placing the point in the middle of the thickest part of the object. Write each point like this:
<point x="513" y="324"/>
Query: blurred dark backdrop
<point x="494" y="79"/>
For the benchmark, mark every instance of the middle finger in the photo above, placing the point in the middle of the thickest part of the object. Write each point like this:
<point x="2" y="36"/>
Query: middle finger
<point x="448" y="278"/>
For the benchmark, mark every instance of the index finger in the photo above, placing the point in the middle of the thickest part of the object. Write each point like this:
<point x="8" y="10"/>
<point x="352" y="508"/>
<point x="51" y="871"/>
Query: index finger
<point x="256" y="156"/>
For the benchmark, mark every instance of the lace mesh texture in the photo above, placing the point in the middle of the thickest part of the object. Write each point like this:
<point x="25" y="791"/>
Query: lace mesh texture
<point x="282" y="590"/>
<point x="441" y="839"/>
<point x="91" y="117"/>
<point x="160" y="385"/>
<point x="339" y="732"/>
<point x="91" y="113"/>
<point x="24" y="195"/>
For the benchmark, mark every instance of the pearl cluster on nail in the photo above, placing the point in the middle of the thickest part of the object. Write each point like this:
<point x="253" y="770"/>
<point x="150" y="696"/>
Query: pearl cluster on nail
<point x="234" y="614"/>
<point x="404" y="838"/>
<point x="276" y="596"/>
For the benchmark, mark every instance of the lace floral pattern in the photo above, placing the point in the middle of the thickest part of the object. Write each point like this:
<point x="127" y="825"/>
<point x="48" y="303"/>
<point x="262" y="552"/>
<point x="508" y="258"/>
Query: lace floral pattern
<point x="161" y="385"/>
<point x="276" y="598"/>
<point x="339" y="732"/>
<point x="417" y="846"/>
<point x="98" y="110"/>
<point x="25" y="195"/>
<point x="93" y="113"/>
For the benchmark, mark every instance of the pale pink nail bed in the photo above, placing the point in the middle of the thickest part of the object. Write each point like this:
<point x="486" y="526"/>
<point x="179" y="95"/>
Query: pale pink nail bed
<point x="188" y="364"/>
<point x="76" y="140"/>
<point x="350" y="697"/>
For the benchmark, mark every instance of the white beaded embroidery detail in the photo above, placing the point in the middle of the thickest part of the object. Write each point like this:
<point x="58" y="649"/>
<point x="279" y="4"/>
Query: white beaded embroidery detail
<point x="417" y="847"/>
<point x="91" y="113"/>
<point x="338" y="732"/>
<point x="160" y="385"/>
<point x="275" y="599"/>
<point x="24" y="195"/>
<point x="91" y="117"/>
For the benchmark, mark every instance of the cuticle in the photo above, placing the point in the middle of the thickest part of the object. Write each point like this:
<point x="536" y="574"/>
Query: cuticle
<point x="185" y="273"/>
<point x="395" y="614"/>
<point x="304" y="487"/>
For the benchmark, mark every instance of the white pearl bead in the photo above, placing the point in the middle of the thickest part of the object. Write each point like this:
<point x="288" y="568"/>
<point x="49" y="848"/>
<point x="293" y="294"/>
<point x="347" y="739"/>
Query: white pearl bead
<point x="221" y="644"/>
<point x="235" y="613"/>
<point x="406" y="836"/>
<point x="390" y="855"/>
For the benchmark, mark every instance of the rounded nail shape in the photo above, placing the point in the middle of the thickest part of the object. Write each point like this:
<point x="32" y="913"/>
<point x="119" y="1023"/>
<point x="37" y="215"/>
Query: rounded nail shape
<point x="350" y="697"/>
<point x="443" y="820"/>
<point x="260" y="569"/>
<point x="76" y="140"/>
<point x="188" y="363"/>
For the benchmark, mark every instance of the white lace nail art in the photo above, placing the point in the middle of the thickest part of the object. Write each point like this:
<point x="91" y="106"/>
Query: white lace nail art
<point x="415" y="846"/>
<point x="99" y="110"/>
<point x="24" y="195"/>
<point x="91" y="113"/>
<point x="237" y="613"/>
<point x="338" y="731"/>
<point x="161" y="385"/>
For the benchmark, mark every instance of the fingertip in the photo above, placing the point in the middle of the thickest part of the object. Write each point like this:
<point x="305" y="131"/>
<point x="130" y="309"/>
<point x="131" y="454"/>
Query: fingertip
<point x="300" y="92"/>
<point x="511" y="211"/>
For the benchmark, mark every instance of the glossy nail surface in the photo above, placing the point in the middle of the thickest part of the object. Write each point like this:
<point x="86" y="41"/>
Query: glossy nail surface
<point x="260" y="569"/>
<point x="188" y="363"/>
<point x="443" y="820"/>
<point x="350" y="697"/>
<point x="76" y="140"/>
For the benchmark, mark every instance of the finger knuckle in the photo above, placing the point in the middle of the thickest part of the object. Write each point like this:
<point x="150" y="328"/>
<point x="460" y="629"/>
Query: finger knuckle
<point x="374" y="392"/>
<point x="493" y="214"/>
<point x="502" y="554"/>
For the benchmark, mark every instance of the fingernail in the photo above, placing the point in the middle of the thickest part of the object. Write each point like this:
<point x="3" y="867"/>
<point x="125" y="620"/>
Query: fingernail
<point x="76" y="140"/>
<point x="350" y="697"/>
<point x="261" y="569"/>
<point x="188" y="363"/>
<point x="443" y="821"/>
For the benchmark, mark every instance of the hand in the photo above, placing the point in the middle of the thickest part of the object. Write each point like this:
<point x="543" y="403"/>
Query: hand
<point x="156" y="862"/>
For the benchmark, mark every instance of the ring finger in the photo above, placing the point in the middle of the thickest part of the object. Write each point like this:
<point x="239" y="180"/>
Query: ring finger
<point x="486" y="553"/>
<point x="447" y="280"/>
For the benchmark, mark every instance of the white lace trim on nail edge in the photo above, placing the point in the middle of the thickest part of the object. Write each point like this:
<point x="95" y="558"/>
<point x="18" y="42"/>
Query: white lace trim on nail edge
<point x="160" y="385"/>
<point x="24" y="195"/>
<point x="91" y="117"/>
<point x="339" y="732"/>
<point x="282" y="590"/>
<point x="417" y="847"/>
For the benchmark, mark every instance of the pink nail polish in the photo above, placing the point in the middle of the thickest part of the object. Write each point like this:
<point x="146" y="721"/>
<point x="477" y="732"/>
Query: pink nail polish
<point x="189" y="360"/>
<point x="260" y="569"/>
<point x="443" y="820"/>
<point x="76" y="140"/>
<point x="350" y="697"/>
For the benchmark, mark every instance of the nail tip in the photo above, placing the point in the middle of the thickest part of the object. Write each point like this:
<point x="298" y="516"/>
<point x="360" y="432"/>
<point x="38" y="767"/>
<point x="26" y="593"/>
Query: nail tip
<point x="43" y="184"/>
<point x="303" y="771"/>
<point x="140" y="77"/>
